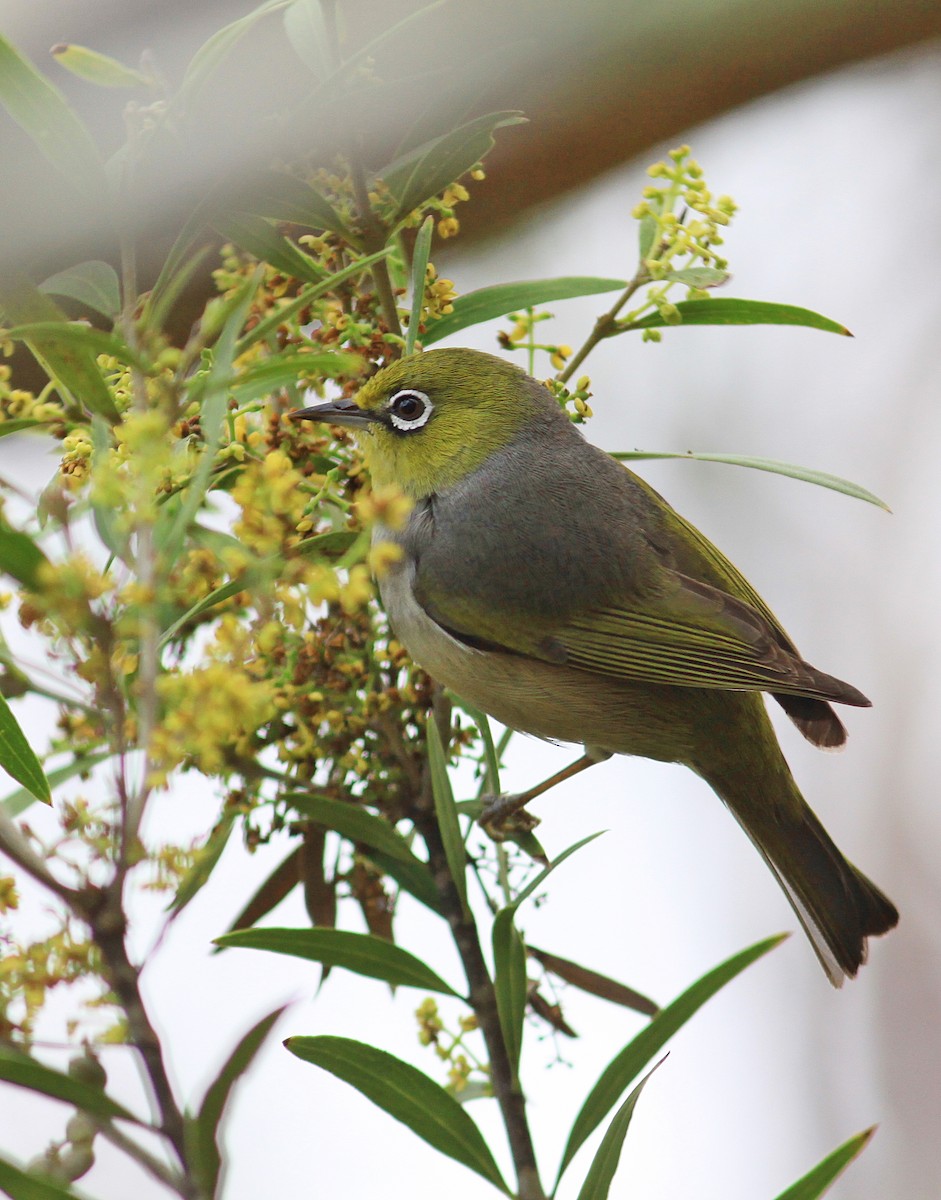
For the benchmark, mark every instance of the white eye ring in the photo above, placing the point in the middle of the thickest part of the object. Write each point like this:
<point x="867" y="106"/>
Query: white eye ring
<point x="409" y="409"/>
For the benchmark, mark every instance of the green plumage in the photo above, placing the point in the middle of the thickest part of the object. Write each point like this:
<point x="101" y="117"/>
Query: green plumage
<point x="550" y="586"/>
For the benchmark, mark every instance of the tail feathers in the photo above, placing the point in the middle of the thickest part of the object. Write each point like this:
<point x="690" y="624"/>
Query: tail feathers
<point x="815" y="719"/>
<point x="838" y="907"/>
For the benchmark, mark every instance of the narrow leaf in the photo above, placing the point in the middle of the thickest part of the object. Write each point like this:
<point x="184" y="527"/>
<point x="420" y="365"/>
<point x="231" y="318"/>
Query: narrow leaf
<point x="20" y="556"/>
<point x="262" y="240"/>
<point x="510" y="982"/>
<point x="217" y="596"/>
<point x="593" y="983"/>
<point x="603" y="1166"/>
<point x="23" y="1185"/>
<point x="406" y="1094"/>
<point x="698" y="277"/>
<point x="355" y="823"/>
<point x="414" y="878"/>
<point x="628" y="1064"/>
<point x="358" y="952"/>
<point x="817" y="1181"/>
<point x="432" y="167"/>
<point x="100" y="69"/>
<point x="93" y="283"/>
<point x="45" y="115"/>
<point x="213" y="1108"/>
<point x="67" y="336"/>
<point x="646" y="233"/>
<point x="26" y="1072"/>
<point x="807" y="474"/>
<point x="207" y="856"/>
<point x="21" y="799"/>
<point x="419" y="270"/>
<point x="492" y="760"/>
<point x="333" y="544"/>
<point x="446" y="812"/>
<point x="282" y="197"/>
<point x="304" y="26"/>
<point x="18" y="758"/>
<point x="267" y="376"/>
<point x="724" y="310"/>
<point x="213" y="52"/>
<point x="489" y="303"/>
<point x="540" y="879"/>
<point x="18" y="425"/>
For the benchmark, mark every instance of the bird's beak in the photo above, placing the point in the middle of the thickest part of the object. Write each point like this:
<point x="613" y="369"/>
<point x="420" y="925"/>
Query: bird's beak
<point x="337" y="412"/>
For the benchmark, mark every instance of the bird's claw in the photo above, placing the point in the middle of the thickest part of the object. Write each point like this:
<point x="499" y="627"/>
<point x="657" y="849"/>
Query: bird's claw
<point x="504" y="817"/>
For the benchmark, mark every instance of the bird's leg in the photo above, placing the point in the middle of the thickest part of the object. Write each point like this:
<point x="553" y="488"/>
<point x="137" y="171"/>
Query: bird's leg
<point x="502" y="815"/>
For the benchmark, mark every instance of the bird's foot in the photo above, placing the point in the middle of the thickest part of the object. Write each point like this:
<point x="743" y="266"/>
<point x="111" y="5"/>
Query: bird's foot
<point x="505" y="817"/>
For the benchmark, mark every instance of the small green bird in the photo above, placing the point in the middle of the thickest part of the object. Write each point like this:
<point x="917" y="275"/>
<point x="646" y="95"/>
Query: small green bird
<point x="551" y="587"/>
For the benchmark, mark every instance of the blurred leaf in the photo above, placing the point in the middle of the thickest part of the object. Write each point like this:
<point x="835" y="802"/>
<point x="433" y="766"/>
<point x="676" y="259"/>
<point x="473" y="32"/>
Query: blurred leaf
<point x="260" y="239"/>
<point x="21" y="799"/>
<point x="282" y="880"/>
<point x="510" y="982"/>
<point x="282" y="197"/>
<point x="23" y="1185"/>
<point x="304" y="26"/>
<point x="17" y="426"/>
<point x="419" y="271"/>
<point x="26" y="1072"/>
<point x="593" y="983"/>
<point x="268" y="375"/>
<point x="698" y="277"/>
<point x="270" y="324"/>
<point x="217" y="596"/>
<point x="333" y="544"/>
<point x="20" y="556"/>
<point x="724" y="310"/>
<point x="212" y="53"/>
<point x="550" y="1013"/>
<point x="107" y="525"/>
<point x="213" y="1108"/>
<point x="100" y="69"/>
<point x="93" y="283"/>
<point x="817" y="1181"/>
<point x="820" y="478"/>
<point x="406" y="1094"/>
<point x="646" y="234"/>
<point x="486" y="304"/>
<point x="414" y="878"/>
<point x="205" y="862"/>
<point x="626" y="1065"/>
<point x="358" y="952"/>
<point x="425" y="172"/>
<point x="45" y="115"/>
<point x="482" y="721"/>
<point x="354" y="823"/>
<point x="367" y="888"/>
<point x="17" y="757"/>
<point x="320" y="893"/>
<point x="182" y="261"/>
<point x="64" y="350"/>
<point x="603" y="1166"/>
<point x="446" y="812"/>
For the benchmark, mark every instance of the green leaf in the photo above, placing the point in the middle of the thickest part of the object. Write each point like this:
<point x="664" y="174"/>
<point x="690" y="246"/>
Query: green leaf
<point x="64" y="350"/>
<point x="486" y="304"/>
<point x="267" y="376"/>
<point x="22" y="1185"/>
<point x="820" y="478"/>
<point x="17" y="426"/>
<point x="626" y="1065"/>
<point x="817" y="1181"/>
<point x="361" y="953"/>
<point x="22" y="798"/>
<point x="26" y="1072"/>
<point x="698" y="277"/>
<point x="446" y="811"/>
<point x="430" y="168"/>
<point x="205" y="862"/>
<point x="17" y="757"/>
<point x="509" y="981"/>
<point x="333" y="544"/>
<point x="491" y="758"/>
<point x="100" y="69"/>
<point x="212" y="1110"/>
<point x="305" y="29"/>
<point x="419" y="270"/>
<point x="220" y="594"/>
<point x="603" y="1166"/>
<point x="282" y="197"/>
<point x="354" y="823"/>
<point x="593" y="983"/>
<point x="260" y="239"/>
<point x="20" y="556"/>
<point x="406" y="1094"/>
<point x="93" y="283"/>
<point x="540" y="879"/>
<point x="44" y="114"/>
<point x="724" y="310"/>
<point x="213" y="52"/>
<point x="646" y="233"/>
<point x="414" y="878"/>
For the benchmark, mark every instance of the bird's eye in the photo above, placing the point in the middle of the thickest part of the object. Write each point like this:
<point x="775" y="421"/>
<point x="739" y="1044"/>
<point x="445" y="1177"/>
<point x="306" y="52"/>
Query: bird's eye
<point x="409" y="409"/>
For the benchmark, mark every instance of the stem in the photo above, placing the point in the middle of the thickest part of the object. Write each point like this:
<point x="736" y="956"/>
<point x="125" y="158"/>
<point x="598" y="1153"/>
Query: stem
<point x="145" y="1160"/>
<point x="482" y="996"/>
<point x="604" y="325"/>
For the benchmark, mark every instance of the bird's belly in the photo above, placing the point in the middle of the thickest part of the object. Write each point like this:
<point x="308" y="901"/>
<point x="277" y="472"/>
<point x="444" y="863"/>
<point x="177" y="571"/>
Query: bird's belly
<point x="548" y="700"/>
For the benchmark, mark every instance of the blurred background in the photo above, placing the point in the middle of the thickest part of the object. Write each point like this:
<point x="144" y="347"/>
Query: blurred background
<point x="822" y="120"/>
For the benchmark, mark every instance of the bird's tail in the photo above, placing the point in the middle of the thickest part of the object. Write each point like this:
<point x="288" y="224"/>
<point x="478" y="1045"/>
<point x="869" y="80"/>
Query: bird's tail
<point x="836" y="904"/>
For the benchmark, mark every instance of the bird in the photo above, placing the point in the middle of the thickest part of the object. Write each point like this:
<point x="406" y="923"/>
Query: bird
<point x="545" y="583"/>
